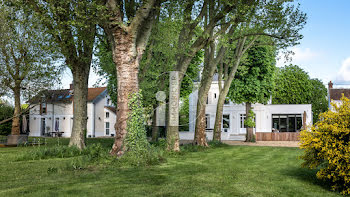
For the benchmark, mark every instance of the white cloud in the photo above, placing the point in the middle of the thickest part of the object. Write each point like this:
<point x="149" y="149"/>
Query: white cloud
<point x="344" y="71"/>
<point x="300" y="56"/>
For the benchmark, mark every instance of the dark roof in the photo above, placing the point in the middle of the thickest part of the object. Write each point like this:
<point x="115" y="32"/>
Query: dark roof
<point x="65" y="95"/>
<point x="112" y="109"/>
<point x="336" y="94"/>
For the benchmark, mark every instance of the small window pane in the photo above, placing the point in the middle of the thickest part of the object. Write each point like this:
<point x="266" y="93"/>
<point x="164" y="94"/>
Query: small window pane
<point x="226" y="121"/>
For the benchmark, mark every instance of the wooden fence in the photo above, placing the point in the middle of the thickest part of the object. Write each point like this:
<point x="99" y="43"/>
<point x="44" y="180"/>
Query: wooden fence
<point x="281" y="136"/>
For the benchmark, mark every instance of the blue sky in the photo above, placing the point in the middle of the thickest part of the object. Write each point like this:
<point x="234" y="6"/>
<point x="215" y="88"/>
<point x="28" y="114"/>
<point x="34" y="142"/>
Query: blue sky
<point x="324" y="52"/>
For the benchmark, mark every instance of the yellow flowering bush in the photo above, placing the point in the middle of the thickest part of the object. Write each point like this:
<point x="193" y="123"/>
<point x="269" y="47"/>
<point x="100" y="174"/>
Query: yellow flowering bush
<point x="327" y="148"/>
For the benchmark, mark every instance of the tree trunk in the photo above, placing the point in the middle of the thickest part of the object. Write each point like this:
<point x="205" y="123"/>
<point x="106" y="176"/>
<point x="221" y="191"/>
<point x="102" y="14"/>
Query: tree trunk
<point x="200" y="137"/>
<point x="249" y="135"/>
<point x="218" y="118"/>
<point x="219" y="109"/>
<point x="80" y="82"/>
<point x="16" y="120"/>
<point x="126" y="58"/>
<point x="155" y="127"/>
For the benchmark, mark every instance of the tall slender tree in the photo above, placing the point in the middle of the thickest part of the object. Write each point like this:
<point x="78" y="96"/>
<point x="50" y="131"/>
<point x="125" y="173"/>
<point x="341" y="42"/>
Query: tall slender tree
<point x="279" y="20"/>
<point x="26" y="62"/>
<point x="72" y="26"/>
<point x="253" y="82"/>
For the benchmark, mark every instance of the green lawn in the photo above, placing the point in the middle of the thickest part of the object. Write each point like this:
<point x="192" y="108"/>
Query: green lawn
<point x="225" y="171"/>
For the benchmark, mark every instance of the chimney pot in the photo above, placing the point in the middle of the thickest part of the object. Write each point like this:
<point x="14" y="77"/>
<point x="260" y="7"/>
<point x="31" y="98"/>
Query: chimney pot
<point x="330" y="85"/>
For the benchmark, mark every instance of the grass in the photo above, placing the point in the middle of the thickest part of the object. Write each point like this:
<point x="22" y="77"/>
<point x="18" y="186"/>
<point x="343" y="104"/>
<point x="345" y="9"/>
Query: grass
<point x="222" y="171"/>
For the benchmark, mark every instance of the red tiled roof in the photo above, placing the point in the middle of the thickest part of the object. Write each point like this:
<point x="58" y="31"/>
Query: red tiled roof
<point x="336" y="94"/>
<point x="94" y="92"/>
<point x="112" y="109"/>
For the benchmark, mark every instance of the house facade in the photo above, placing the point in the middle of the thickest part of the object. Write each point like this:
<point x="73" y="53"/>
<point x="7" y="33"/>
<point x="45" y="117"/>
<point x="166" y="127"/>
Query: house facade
<point x="335" y="94"/>
<point x="268" y="118"/>
<point x="53" y="113"/>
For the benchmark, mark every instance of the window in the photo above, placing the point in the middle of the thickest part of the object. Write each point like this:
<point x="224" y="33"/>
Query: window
<point x="287" y="122"/>
<point x="108" y="102"/>
<point x="207" y="121"/>
<point x="226" y="122"/>
<point x="107" y="114"/>
<point x="214" y="95"/>
<point x="107" y="128"/>
<point x="57" y="124"/>
<point x="242" y="119"/>
<point x="207" y="99"/>
<point x="227" y="101"/>
<point x="43" y="108"/>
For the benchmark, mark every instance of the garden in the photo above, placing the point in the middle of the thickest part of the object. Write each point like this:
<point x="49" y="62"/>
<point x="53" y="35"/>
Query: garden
<point x="220" y="170"/>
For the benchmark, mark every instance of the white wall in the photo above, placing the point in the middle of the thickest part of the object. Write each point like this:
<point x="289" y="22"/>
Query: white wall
<point x="96" y="113"/>
<point x="62" y="111"/>
<point x="263" y="115"/>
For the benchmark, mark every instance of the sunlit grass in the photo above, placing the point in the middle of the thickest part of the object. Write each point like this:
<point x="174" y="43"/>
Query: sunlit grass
<point x="224" y="171"/>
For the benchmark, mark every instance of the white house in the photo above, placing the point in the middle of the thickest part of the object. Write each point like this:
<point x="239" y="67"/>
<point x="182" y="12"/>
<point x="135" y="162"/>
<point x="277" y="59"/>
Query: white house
<point x="335" y="94"/>
<point x="269" y="118"/>
<point x="53" y="113"/>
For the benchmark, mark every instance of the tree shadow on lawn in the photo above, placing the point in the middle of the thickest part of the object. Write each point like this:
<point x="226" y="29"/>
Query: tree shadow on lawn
<point x="307" y="175"/>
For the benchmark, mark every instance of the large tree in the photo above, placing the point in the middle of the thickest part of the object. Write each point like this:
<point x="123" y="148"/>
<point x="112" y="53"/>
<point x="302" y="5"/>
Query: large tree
<point x="243" y="24"/>
<point x="253" y="82"/>
<point x="200" y="19"/>
<point x="26" y="62"/>
<point x="72" y="26"/>
<point x="294" y="86"/>
<point x="158" y="60"/>
<point x="128" y="28"/>
<point x="281" y="21"/>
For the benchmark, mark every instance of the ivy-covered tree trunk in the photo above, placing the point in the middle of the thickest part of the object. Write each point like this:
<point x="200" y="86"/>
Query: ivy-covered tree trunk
<point x="127" y="59"/>
<point x="250" y="133"/>
<point x="128" y="41"/>
<point x="16" y="115"/>
<point x="80" y="83"/>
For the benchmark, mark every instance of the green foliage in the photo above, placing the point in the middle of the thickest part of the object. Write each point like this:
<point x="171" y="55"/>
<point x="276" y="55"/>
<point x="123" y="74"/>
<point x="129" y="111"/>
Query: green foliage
<point x="184" y="115"/>
<point x="250" y="119"/>
<point x="294" y="86"/>
<point x="6" y="111"/>
<point x="92" y="153"/>
<point x="253" y="81"/>
<point x="26" y="55"/>
<point x="138" y="151"/>
<point x="327" y="146"/>
<point x="319" y="99"/>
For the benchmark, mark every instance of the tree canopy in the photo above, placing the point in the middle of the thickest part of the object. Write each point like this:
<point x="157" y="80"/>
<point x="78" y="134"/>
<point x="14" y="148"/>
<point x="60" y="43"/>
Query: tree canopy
<point x="294" y="86"/>
<point x="253" y="81"/>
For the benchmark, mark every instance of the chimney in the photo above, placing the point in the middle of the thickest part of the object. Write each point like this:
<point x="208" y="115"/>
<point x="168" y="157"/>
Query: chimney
<point x="71" y="86"/>
<point x="330" y="85"/>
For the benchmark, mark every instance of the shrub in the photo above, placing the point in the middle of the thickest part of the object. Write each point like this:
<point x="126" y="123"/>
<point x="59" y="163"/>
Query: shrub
<point x="327" y="146"/>
<point x="6" y="111"/>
